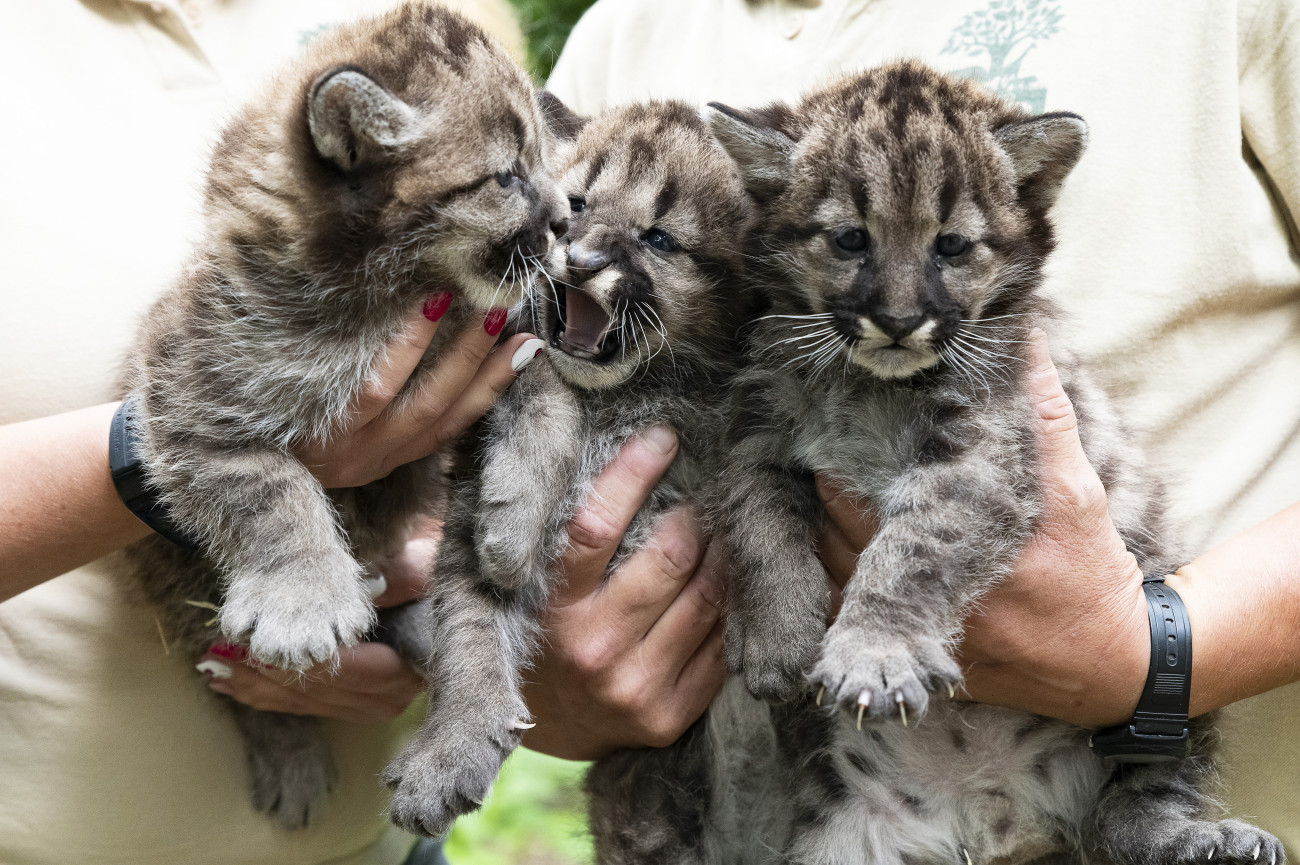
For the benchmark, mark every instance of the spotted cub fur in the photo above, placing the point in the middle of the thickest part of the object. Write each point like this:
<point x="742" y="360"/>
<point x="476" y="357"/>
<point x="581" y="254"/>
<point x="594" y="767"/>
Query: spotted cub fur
<point x="902" y="236"/>
<point x="397" y="157"/>
<point x="642" y="320"/>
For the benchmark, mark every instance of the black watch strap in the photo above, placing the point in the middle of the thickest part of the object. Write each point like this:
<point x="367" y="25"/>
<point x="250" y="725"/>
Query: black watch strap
<point x="1158" y="731"/>
<point x="128" y="473"/>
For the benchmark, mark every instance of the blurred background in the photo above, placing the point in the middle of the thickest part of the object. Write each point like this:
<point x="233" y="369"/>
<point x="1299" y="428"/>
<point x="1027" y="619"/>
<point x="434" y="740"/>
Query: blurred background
<point x="535" y="814"/>
<point x="546" y="24"/>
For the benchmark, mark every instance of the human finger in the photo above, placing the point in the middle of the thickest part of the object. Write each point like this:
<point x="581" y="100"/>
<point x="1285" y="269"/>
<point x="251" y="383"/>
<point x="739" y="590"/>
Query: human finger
<point x="373" y="669"/>
<point x="401" y="356"/>
<point x="650" y="581"/>
<point x="617" y="494"/>
<point x="839" y="555"/>
<point x="405" y="577"/>
<point x="421" y="433"/>
<point x="676" y="635"/>
<point x="247" y="685"/>
<point x="442" y="384"/>
<point x="854" y="517"/>
<point x="1063" y="464"/>
<point x="702" y="676"/>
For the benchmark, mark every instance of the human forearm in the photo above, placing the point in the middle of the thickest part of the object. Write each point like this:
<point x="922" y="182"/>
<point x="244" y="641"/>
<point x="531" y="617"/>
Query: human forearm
<point x="1243" y="599"/>
<point x="57" y="501"/>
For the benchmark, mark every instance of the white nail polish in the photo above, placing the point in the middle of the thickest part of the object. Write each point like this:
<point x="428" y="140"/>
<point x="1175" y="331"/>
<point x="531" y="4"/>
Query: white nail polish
<point x="376" y="585"/>
<point x="525" y="353"/>
<point x="215" y="669"/>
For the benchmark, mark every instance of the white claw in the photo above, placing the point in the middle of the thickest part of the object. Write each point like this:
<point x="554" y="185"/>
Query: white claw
<point x="861" y="709"/>
<point x="520" y="725"/>
<point x="952" y="692"/>
<point x="1255" y="856"/>
<point x="821" y="692"/>
<point x="902" y="709"/>
<point x="965" y="853"/>
<point x="1211" y="856"/>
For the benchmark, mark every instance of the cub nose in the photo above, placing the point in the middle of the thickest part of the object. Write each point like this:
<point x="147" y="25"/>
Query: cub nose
<point x="896" y="327"/>
<point x="588" y="260"/>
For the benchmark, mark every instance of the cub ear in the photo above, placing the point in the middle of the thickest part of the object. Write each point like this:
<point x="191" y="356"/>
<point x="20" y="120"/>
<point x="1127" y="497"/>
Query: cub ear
<point x="1043" y="150"/>
<point x="560" y="120"/>
<point x="354" y="120"/>
<point x="762" y="153"/>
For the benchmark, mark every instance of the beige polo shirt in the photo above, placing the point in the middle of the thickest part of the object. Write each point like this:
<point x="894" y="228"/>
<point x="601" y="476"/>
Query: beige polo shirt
<point x="111" y="751"/>
<point x="1178" y="258"/>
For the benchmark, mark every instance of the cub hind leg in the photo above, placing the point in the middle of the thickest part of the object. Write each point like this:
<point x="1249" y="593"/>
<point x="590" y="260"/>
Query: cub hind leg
<point x="1157" y="814"/>
<point x="289" y="763"/>
<point x="650" y="806"/>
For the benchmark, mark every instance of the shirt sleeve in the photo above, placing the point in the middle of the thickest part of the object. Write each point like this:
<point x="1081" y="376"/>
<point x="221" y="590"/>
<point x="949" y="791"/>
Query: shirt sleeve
<point x="1269" y="69"/>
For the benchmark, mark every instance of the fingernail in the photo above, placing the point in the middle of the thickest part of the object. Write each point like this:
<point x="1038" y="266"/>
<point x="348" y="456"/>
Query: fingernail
<point x="437" y="304"/>
<point x="215" y="669"/>
<point x="525" y="353"/>
<point x="660" y="438"/>
<point x="376" y="585"/>
<point x="228" y="650"/>
<point x="495" y="320"/>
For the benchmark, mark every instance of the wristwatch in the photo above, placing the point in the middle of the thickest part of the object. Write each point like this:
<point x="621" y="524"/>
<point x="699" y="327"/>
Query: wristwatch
<point x="1158" y="731"/>
<point x="129" y="475"/>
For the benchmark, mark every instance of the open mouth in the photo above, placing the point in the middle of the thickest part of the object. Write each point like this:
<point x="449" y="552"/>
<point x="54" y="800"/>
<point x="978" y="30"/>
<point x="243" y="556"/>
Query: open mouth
<point x="583" y="329"/>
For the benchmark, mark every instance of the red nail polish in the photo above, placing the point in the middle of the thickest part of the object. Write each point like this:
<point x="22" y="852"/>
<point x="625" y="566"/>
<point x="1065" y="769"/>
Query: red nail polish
<point x="495" y="320"/>
<point x="539" y="351"/>
<point x="228" y="650"/>
<point x="436" y="306"/>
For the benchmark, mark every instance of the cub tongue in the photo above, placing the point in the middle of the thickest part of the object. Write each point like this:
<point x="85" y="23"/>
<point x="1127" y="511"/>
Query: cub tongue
<point x="585" y="323"/>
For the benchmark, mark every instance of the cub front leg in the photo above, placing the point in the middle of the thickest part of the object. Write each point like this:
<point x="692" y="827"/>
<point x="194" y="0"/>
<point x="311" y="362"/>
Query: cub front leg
<point x="778" y="598"/>
<point x="533" y="447"/>
<point x="292" y="589"/>
<point x="482" y="640"/>
<point x="948" y="532"/>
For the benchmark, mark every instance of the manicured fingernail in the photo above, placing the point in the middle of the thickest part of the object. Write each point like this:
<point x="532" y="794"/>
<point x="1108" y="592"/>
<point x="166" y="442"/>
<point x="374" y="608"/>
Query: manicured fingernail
<point x="495" y="320"/>
<point x="660" y="438"/>
<point x="376" y="585"/>
<point x="437" y="304"/>
<point x="215" y="669"/>
<point x="525" y="353"/>
<point x="228" y="650"/>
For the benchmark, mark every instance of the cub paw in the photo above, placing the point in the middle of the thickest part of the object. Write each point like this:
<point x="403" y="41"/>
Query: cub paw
<point x="1230" y="841"/>
<point x="879" y="678"/>
<point x="435" y="782"/>
<point x="774" y="665"/>
<point x="291" y="784"/>
<point x="295" y="621"/>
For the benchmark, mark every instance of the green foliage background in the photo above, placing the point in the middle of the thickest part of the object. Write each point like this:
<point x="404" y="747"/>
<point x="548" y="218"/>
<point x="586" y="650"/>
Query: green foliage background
<point x="535" y="814"/>
<point x="546" y="25"/>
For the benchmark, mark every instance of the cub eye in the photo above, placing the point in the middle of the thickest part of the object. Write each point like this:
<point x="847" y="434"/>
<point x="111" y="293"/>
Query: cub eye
<point x="851" y="239"/>
<point x="949" y="245"/>
<point x="661" y="240"/>
<point x="577" y="204"/>
<point x="505" y="178"/>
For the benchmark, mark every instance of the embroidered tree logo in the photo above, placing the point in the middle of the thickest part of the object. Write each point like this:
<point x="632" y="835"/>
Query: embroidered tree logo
<point x="1007" y="30"/>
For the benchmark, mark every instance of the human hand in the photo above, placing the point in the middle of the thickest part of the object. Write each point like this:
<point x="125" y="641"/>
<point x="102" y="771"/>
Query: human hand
<point x="1067" y="635"/>
<point x="632" y="660"/>
<point x="379" y="435"/>
<point x="368" y="682"/>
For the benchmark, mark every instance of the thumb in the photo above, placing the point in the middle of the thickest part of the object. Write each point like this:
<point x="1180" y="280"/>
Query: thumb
<point x="1063" y="466"/>
<point x="405" y="577"/>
